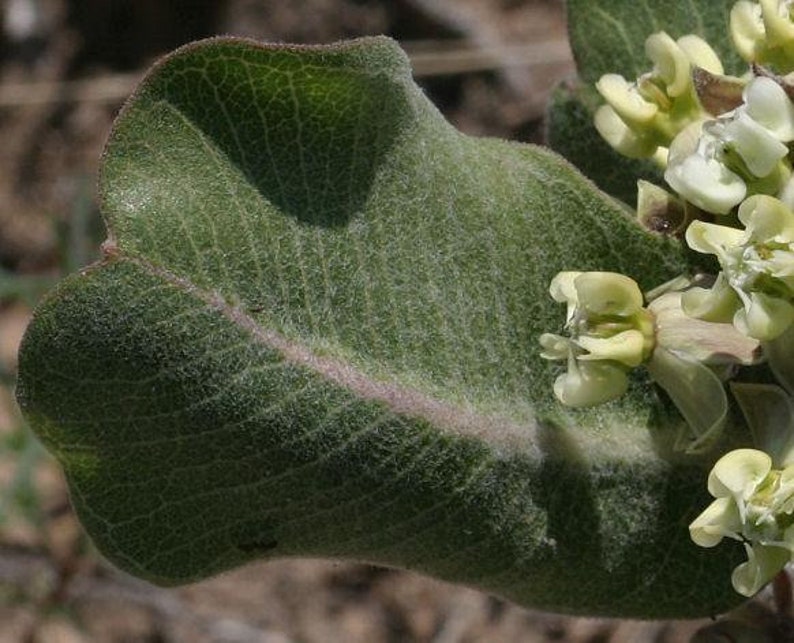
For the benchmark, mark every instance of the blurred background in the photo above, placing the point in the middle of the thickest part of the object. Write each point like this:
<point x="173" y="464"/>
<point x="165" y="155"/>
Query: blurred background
<point x="66" y="67"/>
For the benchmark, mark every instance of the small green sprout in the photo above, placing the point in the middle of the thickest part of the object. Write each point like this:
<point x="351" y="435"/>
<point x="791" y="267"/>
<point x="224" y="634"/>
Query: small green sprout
<point x="755" y="290"/>
<point x="642" y="118"/>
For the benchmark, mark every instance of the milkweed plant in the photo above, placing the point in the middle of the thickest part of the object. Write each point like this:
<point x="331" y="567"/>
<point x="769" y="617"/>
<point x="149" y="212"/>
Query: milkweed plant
<point x="727" y="164"/>
<point x="321" y="325"/>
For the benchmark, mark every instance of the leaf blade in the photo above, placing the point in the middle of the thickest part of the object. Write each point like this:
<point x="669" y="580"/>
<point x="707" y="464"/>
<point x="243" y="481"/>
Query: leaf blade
<point x="277" y="459"/>
<point x="365" y="374"/>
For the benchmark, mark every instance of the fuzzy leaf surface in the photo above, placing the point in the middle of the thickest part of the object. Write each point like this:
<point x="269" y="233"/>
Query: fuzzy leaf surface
<point x="315" y="333"/>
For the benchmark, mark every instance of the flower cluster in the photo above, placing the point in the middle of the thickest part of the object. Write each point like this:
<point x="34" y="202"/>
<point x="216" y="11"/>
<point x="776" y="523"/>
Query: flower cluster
<point x="727" y="145"/>
<point x="610" y="333"/>
<point x="755" y="290"/>
<point x="642" y="118"/>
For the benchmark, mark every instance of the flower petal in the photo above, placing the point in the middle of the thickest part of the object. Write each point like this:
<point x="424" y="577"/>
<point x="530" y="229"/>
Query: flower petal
<point x="764" y="317"/>
<point x="768" y="105"/>
<point x="717" y="304"/>
<point x="763" y="564"/>
<point x="759" y="148"/>
<point x="625" y="347"/>
<point x="563" y="291"/>
<point x="767" y="219"/>
<point x="719" y="519"/>
<point x="700" y="53"/>
<point x="710" y="238"/>
<point x="738" y="473"/>
<point x="590" y="384"/>
<point x="561" y="287"/>
<point x="685" y="143"/>
<point x="780" y="264"/>
<point x="747" y="29"/>
<point x="554" y="346"/>
<point x="670" y="62"/>
<point x="707" y="183"/>
<point x="778" y="25"/>
<point x="784" y="497"/>
<point x="627" y="102"/>
<point x="620" y="137"/>
<point x="608" y="293"/>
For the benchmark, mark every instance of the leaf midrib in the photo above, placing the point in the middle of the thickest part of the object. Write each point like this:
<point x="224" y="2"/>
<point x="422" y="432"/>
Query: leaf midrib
<point x="402" y="400"/>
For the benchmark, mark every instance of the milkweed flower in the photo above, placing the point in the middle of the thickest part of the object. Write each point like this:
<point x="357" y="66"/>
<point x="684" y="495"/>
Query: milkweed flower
<point x="755" y="289"/>
<point x="609" y="333"/>
<point x="754" y="504"/>
<point x="697" y="172"/>
<point x="715" y="164"/>
<point x="641" y="118"/>
<point x="763" y="32"/>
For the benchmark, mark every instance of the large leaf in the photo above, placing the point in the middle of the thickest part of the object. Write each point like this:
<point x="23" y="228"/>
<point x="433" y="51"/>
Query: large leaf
<point x="608" y="36"/>
<point x="314" y="333"/>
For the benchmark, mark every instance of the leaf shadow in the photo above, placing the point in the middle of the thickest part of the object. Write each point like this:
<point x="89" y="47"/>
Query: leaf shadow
<point x="308" y="139"/>
<point x="567" y="494"/>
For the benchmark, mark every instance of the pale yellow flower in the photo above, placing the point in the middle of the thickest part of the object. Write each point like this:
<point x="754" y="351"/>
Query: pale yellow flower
<point x="753" y="504"/>
<point x="755" y="290"/>
<point x="641" y="118"/>
<point x="763" y="32"/>
<point x="609" y="333"/>
<point x="715" y="164"/>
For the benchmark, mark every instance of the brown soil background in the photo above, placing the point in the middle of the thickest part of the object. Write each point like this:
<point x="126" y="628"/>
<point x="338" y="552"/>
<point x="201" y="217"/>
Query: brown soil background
<point x="66" y="67"/>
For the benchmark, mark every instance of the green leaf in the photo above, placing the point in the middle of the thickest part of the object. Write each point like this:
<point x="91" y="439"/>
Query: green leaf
<point x="608" y="36"/>
<point x="315" y="333"/>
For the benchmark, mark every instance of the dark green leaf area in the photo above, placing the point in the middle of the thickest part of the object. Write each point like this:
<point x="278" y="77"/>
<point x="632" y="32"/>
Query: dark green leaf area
<point x="316" y="333"/>
<point x="608" y="36"/>
<point x="190" y="449"/>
